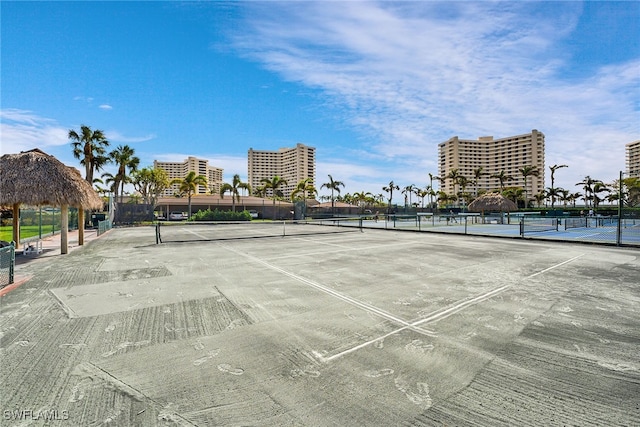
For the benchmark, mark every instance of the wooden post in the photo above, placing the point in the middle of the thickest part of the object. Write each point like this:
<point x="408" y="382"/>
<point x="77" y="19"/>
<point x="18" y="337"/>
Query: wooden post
<point x="16" y="223"/>
<point x="64" y="229"/>
<point x="80" y="226"/>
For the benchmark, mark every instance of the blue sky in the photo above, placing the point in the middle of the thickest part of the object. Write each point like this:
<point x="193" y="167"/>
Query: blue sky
<point x="374" y="86"/>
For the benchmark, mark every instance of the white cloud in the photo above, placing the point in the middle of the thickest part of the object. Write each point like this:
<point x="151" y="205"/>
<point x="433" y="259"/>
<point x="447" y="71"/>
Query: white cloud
<point x="23" y="130"/>
<point x="105" y="107"/>
<point x="115" y="136"/>
<point x="464" y="68"/>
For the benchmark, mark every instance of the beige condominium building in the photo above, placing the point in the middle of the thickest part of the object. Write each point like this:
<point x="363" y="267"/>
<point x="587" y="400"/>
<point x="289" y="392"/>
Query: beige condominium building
<point x="633" y="159"/>
<point x="293" y="164"/>
<point x="179" y="170"/>
<point x="508" y="154"/>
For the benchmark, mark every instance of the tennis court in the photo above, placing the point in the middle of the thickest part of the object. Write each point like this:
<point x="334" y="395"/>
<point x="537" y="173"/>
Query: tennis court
<point x="358" y="327"/>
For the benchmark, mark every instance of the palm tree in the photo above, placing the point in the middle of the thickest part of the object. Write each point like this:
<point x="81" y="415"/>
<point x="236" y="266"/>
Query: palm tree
<point x="463" y="182"/>
<point x="554" y="193"/>
<point x="233" y="189"/>
<point x="564" y="196"/>
<point x="408" y="190"/>
<point x="477" y="174"/>
<point x="306" y="188"/>
<point x="573" y="197"/>
<point x="540" y="197"/>
<point x="189" y="185"/>
<point x="431" y="192"/>
<point x="90" y="147"/>
<point x="260" y="191"/>
<point x="553" y="171"/>
<point x="526" y="172"/>
<point x="333" y="186"/>
<point x="422" y="193"/>
<point x="599" y="187"/>
<point x="502" y="177"/>
<point x="273" y="184"/>
<point x="587" y="184"/>
<point x="454" y="176"/>
<point x="124" y="158"/>
<point x="389" y="189"/>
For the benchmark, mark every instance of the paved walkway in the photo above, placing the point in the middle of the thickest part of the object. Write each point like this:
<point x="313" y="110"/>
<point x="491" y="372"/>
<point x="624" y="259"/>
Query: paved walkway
<point x="50" y="248"/>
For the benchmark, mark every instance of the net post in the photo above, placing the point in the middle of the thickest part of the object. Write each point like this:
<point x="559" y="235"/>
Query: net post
<point x="360" y="225"/>
<point x="284" y="228"/>
<point x="158" y="233"/>
<point x="522" y="227"/>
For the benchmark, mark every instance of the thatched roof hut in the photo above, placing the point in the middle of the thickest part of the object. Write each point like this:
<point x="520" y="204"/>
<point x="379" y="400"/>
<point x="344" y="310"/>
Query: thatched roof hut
<point x="492" y="202"/>
<point x="36" y="178"/>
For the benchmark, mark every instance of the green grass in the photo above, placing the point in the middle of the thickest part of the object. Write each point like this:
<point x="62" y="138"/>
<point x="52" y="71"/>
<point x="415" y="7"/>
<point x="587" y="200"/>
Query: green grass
<point x="26" y="231"/>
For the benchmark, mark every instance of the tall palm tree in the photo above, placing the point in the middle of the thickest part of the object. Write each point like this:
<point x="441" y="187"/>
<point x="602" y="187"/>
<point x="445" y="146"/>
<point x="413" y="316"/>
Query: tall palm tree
<point x="124" y="158"/>
<point x="90" y="147"/>
<point x="306" y="188"/>
<point x="431" y="191"/>
<point x="273" y="183"/>
<point x="502" y="177"/>
<point x="333" y="186"/>
<point x="526" y="171"/>
<point x="389" y="189"/>
<point x="553" y="171"/>
<point x="233" y="189"/>
<point x="189" y="185"/>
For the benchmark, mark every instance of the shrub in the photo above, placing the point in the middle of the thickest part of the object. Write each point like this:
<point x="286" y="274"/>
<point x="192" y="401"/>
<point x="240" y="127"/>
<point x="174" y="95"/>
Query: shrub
<point x="218" y="215"/>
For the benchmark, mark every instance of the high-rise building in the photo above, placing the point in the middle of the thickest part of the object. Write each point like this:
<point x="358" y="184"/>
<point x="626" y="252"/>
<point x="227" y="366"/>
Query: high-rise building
<point x="179" y="170"/>
<point x="292" y="164"/>
<point x="633" y="159"/>
<point x="505" y="155"/>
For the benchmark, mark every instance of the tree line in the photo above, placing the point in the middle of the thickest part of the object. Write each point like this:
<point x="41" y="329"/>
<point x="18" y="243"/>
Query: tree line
<point x="91" y="148"/>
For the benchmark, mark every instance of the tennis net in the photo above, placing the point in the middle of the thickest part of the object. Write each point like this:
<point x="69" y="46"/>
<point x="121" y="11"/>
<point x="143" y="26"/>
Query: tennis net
<point x="580" y="222"/>
<point x="538" y="225"/>
<point x="193" y="231"/>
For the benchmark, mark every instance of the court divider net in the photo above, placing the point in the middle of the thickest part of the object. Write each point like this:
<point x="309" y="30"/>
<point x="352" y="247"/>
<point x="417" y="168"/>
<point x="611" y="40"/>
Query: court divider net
<point x="194" y="231"/>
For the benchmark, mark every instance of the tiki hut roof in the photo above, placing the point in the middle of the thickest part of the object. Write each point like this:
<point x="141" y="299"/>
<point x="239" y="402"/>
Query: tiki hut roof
<point x="36" y="178"/>
<point x="495" y="202"/>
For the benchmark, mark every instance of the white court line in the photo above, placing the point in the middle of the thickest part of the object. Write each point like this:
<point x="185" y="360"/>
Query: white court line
<point x="327" y="290"/>
<point x="443" y="314"/>
<point x="347" y="249"/>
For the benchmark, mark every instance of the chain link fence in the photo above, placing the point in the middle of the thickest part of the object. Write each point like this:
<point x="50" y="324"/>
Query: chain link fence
<point x="7" y="264"/>
<point x="621" y="230"/>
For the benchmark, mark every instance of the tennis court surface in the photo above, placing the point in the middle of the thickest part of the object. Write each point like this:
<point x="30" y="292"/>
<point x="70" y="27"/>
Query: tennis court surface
<point x="366" y="327"/>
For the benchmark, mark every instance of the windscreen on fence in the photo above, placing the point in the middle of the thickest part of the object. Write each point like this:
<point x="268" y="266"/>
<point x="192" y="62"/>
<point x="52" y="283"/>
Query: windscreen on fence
<point x="193" y="231"/>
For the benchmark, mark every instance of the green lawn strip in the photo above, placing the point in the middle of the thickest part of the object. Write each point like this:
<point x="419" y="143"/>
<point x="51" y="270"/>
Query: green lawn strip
<point x="26" y="231"/>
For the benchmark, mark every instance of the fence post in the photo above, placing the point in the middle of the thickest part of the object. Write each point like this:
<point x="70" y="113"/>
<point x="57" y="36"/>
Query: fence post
<point x="620" y="202"/>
